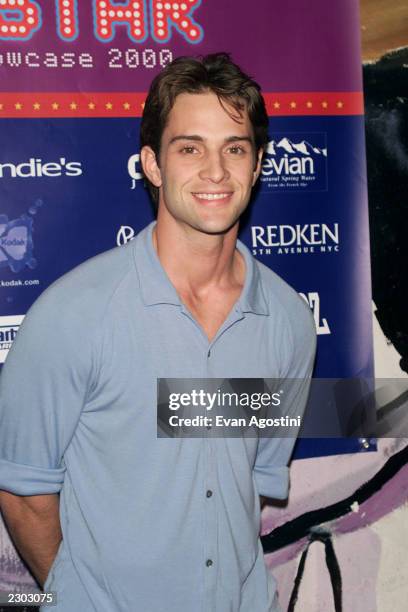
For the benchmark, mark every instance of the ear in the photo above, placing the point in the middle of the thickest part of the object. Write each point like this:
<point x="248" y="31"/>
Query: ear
<point x="150" y="166"/>
<point x="258" y="166"/>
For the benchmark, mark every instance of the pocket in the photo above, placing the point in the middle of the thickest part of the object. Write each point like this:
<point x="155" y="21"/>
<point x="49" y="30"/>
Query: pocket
<point x="259" y="591"/>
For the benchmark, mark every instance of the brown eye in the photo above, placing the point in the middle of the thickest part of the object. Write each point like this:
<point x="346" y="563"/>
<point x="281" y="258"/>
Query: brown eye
<point x="236" y="150"/>
<point x="188" y="149"/>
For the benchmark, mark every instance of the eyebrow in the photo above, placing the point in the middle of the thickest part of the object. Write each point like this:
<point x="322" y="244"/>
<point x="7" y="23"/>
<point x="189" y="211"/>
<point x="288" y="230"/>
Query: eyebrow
<point x="197" y="138"/>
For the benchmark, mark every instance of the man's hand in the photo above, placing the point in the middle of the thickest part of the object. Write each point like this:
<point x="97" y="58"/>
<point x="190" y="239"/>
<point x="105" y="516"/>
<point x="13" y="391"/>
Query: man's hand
<point x="35" y="528"/>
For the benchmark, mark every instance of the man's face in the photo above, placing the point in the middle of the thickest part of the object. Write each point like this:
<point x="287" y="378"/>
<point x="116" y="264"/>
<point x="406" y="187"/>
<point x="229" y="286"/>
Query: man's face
<point x="208" y="164"/>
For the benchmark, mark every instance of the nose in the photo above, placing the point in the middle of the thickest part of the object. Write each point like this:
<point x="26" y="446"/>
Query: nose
<point x="214" y="168"/>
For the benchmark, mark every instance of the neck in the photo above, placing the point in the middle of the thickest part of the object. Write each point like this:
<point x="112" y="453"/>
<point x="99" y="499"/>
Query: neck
<point x="196" y="262"/>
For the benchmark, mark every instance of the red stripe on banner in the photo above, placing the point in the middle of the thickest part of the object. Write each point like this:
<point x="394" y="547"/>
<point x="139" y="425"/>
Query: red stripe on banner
<point x="107" y="104"/>
<point x="315" y="103"/>
<point x="64" y="105"/>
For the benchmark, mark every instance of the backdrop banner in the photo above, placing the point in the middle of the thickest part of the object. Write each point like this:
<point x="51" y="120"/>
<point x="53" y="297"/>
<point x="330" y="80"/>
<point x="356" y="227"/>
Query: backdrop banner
<point x="73" y="78"/>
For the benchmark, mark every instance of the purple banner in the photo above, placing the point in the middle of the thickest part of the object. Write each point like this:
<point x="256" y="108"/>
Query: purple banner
<point x="120" y="46"/>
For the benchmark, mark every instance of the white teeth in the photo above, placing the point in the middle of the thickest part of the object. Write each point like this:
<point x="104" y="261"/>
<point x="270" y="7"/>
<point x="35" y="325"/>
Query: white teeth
<point x="211" y="196"/>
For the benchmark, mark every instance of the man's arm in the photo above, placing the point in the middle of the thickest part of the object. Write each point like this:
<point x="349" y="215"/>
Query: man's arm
<point x="34" y="525"/>
<point x="43" y="386"/>
<point x="273" y="455"/>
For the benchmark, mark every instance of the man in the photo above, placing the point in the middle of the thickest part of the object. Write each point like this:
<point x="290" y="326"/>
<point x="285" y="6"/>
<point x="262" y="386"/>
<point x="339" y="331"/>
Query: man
<point x="105" y="513"/>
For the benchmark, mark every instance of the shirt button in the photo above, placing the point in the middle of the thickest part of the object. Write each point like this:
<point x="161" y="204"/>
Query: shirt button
<point x="209" y="353"/>
<point x="209" y="493"/>
<point x="209" y="563"/>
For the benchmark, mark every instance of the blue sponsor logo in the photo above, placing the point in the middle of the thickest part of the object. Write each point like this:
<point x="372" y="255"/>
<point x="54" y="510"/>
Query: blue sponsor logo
<point x="16" y="240"/>
<point x="295" y="162"/>
<point x="7" y="335"/>
<point x="9" y="326"/>
<point x="16" y="243"/>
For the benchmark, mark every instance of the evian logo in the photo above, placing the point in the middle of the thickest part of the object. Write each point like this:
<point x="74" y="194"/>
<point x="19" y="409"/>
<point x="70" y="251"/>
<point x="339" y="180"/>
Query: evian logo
<point x="295" y="163"/>
<point x="35" y="167"/>
<point x="9" y="327"/>
<point x="295" y="239"/>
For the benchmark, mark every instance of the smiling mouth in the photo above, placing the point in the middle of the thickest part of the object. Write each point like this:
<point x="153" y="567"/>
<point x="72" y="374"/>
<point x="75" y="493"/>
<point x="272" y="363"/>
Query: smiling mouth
<point x="212" y="196"/>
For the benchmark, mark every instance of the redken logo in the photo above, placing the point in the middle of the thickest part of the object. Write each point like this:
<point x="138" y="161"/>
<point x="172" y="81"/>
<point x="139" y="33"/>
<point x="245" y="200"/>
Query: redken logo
<point x="295" y="239"/>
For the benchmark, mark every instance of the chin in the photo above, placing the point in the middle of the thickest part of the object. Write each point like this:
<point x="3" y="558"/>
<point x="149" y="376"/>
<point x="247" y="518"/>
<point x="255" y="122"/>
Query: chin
<point x="219" y="222"/>
<point x="216" y="228"/>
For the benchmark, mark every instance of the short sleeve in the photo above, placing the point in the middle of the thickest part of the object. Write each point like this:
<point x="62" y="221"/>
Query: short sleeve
<point x="43" y="386"/>
<point x="271" y="470"/>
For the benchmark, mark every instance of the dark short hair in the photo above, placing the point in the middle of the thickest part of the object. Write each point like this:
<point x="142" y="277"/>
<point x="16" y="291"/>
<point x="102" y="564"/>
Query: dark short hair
<point x="215" y="73"/>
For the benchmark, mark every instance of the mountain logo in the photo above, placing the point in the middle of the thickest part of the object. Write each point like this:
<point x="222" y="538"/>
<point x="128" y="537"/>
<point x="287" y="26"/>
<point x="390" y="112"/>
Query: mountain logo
<point x="292" y="163"/>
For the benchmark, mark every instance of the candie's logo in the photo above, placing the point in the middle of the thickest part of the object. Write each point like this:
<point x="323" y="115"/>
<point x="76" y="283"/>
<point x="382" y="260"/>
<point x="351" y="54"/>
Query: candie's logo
<point x="9" y="327"/>
<point x="37" y="168"/>
<point x="295" y="164"/>
<point x="295" y="239"/>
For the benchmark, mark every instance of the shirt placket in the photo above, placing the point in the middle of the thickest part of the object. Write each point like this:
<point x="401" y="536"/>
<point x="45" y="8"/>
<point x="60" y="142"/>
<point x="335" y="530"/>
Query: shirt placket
<point x="211" y="560"/>
<point x="210" y="514"/>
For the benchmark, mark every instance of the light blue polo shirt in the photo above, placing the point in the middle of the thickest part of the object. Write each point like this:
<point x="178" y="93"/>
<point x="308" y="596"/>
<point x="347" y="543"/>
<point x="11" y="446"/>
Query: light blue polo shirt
<point x="149" y="524"/>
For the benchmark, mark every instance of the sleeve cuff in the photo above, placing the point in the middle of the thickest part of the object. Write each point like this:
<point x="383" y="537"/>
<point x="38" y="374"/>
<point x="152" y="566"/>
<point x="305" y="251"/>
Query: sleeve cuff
<point x="29" y="480"/>
<point x="272" y="482"/>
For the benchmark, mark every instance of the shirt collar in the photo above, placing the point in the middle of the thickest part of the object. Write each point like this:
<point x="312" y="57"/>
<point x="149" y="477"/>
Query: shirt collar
<point x="252" y="298"/>
<point x="156" y="287"/>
